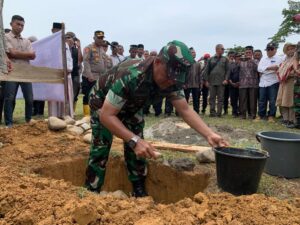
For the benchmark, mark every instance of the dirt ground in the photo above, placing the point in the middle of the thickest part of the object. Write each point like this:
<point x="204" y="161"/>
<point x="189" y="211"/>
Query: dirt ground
<point x="28" y="195"/>
<point x="174" y="130"/>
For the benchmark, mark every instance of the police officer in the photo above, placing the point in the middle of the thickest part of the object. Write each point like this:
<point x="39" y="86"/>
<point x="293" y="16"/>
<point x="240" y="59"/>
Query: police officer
<point x="116" y="103"/>
<point x="96" y="62"/>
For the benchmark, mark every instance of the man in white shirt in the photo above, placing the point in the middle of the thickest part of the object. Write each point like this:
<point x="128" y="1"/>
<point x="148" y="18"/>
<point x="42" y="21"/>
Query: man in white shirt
<point x="140" y="52"/>
<point x="115" y="57"/>
<point x="269" y="83"/>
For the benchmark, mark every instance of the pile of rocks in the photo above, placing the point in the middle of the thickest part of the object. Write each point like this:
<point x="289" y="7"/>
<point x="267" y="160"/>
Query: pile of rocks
<point x="79" y="127"/>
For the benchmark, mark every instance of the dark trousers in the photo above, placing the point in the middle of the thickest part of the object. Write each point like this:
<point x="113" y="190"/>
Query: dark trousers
<point x="267" y="94"/>
<point x="195" y="95"/>
<point x="1" y="100"/>
<point x="248" y="102"/>
<point x="38" y="108"/>
<point x="168" y="107"/>
<point x="146" y="109"/>
<point x="234" y="99"/>
<point x="86" y="89"/>
<point x="216" y="93"/>
<point x="11" y="89"/>
<point x="76" y="87"/>
<point x="2" y="88"/>
<point x="204" y="93"/>
<point x="158" y="107"/>
<point x="226" y="99"/>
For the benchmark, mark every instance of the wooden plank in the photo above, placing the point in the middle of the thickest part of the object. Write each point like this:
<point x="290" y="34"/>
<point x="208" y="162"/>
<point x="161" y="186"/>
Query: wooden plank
<point x="171" y="146"/>
<point x="33" y="74"/>
<point x="65" y="71"/>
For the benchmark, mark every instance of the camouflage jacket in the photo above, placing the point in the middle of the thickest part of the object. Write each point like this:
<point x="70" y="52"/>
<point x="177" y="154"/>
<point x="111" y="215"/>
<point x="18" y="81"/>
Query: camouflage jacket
<point x="129" y="87"/>
<point x="95" y="61"/>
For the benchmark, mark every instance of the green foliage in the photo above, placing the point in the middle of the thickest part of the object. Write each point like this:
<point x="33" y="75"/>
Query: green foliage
<point x="288" y="26"/>
<point x="236" y="49"/>
<point x="81" y="192"/>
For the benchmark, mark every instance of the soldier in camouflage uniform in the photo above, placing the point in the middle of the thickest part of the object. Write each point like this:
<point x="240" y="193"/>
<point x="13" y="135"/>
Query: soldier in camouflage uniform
<point x="116" y="103"/>
<point x="96" y="62"/>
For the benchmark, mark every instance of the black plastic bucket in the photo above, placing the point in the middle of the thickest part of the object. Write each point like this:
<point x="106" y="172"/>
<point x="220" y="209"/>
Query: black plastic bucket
<point x="284" y="150"/>
<point x="239" y="170"/>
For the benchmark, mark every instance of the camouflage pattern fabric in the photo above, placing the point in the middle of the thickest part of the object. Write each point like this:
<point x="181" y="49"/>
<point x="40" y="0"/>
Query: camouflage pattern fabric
<point x="129" y="87"/>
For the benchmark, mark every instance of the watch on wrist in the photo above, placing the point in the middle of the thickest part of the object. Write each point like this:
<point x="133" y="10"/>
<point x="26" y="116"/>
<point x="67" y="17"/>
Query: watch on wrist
<point x="133" y="141"/>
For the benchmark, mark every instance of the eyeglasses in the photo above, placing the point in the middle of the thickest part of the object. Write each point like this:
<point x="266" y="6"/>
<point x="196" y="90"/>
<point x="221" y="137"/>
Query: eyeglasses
<point x="270" y="49"/>
<point x="68" y="37"/>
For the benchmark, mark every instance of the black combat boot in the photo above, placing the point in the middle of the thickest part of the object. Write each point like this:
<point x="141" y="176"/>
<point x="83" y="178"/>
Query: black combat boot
<point x="139" y="189"/>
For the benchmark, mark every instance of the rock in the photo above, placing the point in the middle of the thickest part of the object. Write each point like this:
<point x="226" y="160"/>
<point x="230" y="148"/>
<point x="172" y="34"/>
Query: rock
<point x="78" y="122"/>
<point x="84" y="214"/>
<point x="85" y="126"/>
<point x="103" y="193"/>
<point x="69" y="120"/>
<point x="206" y="156"/>
<point x="87" y="138"/>
<point x="88" y="131"/>
<point x="1" y="144"/>
<point x="119" y="194"/>
<point x="75" y="130"/>
<point x="55" y="123"/>
<point x="184" y="164"/>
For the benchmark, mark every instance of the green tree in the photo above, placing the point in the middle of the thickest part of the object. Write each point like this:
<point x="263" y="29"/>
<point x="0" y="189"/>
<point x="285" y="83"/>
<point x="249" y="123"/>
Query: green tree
<point x="235" y="48"/>
<point x="288" y="26"/>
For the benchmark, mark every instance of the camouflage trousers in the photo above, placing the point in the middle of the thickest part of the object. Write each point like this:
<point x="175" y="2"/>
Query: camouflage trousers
<point x="297" y="100"/>
<point x="100" y="148"/>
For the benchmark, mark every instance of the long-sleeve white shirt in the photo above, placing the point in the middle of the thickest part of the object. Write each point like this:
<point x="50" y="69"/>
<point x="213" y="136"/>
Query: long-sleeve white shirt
<point x="268" y="77"/>
<point x="116" y="59"/>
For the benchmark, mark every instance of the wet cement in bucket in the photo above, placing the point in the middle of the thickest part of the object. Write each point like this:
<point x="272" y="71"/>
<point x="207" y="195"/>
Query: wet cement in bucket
<point x="164" y="183"/>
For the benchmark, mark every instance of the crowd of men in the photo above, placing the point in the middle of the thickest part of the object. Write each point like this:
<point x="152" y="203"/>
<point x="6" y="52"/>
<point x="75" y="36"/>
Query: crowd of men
<point x="119" y="90"/>
<point x="253" y="85"/>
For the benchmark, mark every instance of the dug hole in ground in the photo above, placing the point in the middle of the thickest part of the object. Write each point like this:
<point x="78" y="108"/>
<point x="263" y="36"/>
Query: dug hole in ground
<point x="42" y="172"/>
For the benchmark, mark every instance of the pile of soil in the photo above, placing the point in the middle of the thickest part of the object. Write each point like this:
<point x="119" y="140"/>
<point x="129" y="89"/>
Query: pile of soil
<point x="28" y="198"/>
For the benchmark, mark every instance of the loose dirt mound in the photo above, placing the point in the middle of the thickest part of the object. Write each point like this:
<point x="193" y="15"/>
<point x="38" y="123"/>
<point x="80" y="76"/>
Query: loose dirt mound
<point x="27" y="198"/>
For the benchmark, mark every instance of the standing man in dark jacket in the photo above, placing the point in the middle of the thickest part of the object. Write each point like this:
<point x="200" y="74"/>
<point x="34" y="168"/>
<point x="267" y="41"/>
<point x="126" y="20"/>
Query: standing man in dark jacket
<point x="216" y="75"/>
<point x="204" y="88"/>
<point x="75" y="48"/>
<point x="193" y="83"/>
<point x="248" y="85"/>
<point x="234" y="85"/>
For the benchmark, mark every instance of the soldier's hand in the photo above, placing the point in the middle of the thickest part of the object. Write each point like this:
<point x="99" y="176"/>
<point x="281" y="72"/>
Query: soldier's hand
<point x="216" y="140"/>
<point x="144" y="149"/>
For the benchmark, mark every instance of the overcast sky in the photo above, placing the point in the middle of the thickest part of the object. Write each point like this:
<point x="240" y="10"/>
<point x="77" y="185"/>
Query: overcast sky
<point x="201" y="24"/>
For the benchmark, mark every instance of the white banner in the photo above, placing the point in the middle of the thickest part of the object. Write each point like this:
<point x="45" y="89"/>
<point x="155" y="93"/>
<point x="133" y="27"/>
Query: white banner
<point x="48" y="54"/>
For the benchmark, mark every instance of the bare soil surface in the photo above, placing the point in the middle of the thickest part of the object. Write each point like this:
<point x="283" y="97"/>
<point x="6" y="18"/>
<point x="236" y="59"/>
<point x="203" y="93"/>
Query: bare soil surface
<point x="28" y="195"/>
<point x="174" y="130"/>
